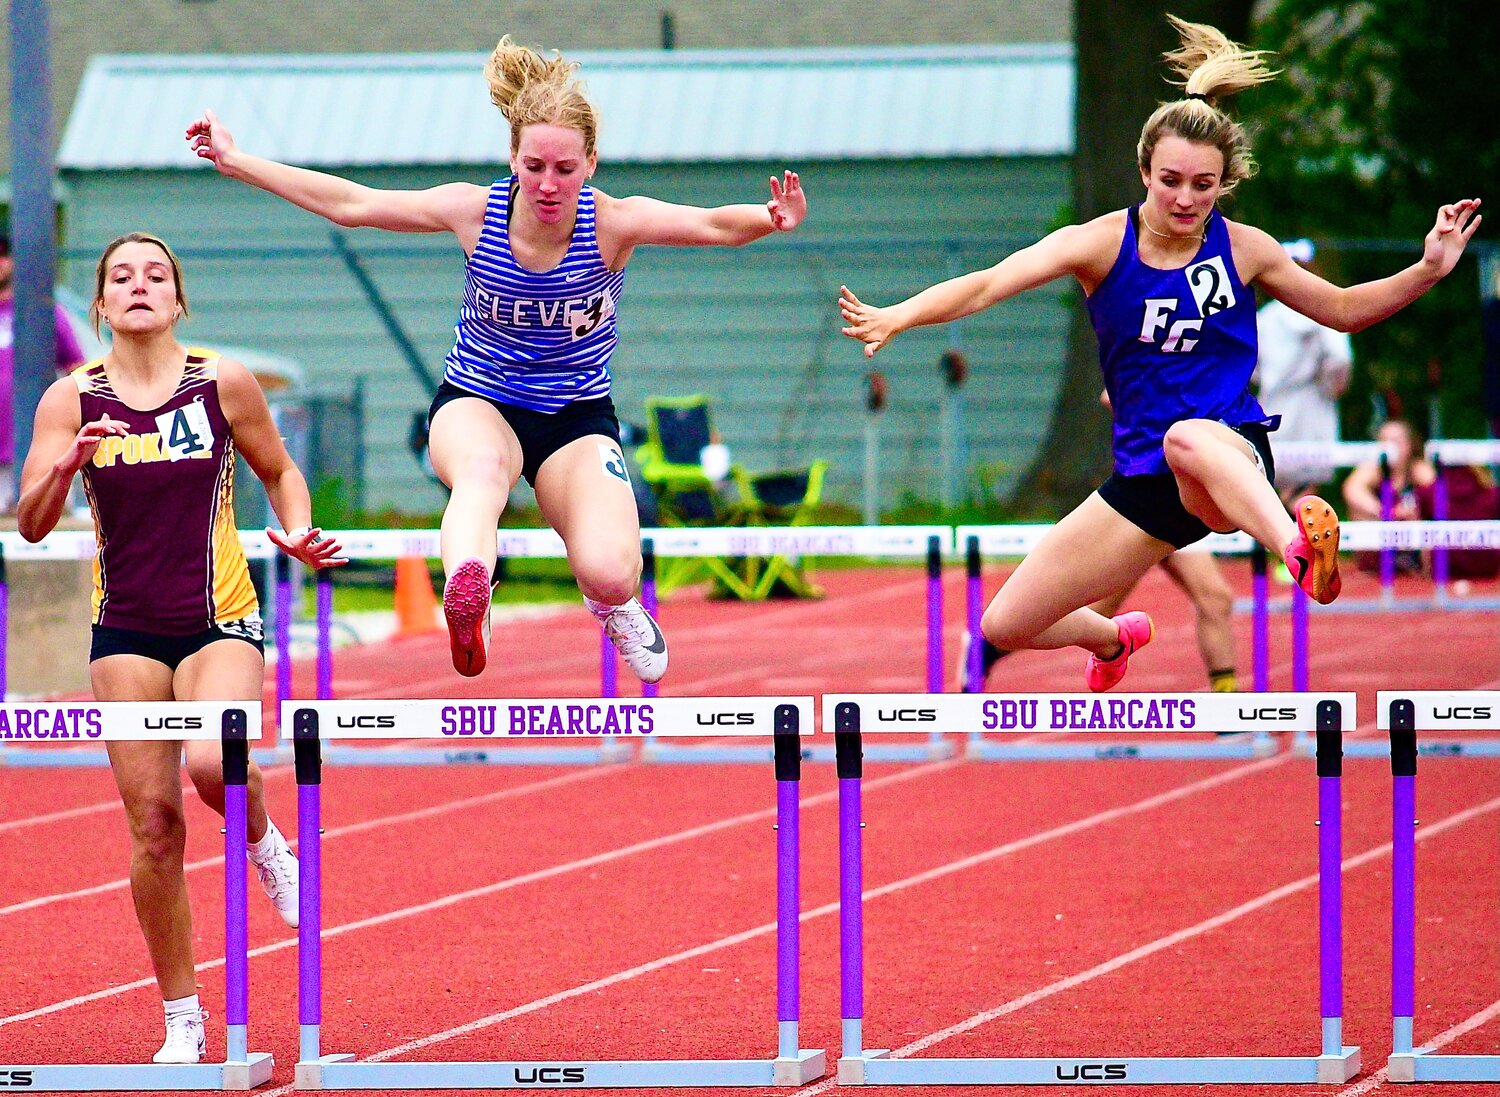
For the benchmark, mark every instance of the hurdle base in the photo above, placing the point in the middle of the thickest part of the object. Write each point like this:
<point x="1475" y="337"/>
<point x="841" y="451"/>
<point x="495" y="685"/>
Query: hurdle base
<point x="1256" y="745"/>
<point x="339" y="1072"/>
<point x="111" y="1077"/>
<point x="309" y="1072"/>
<point x="873" y="1068"/>
<point x="1422" y="1065"/>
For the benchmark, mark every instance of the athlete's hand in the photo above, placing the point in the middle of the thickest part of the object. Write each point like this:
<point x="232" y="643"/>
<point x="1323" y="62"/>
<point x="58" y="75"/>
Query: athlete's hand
<point x="81" y="452"/>
<point x="872" y="326"/>
<point x="211" y="139"/>
<point x="788" y="204"/>
<point x="1445" y="243"/>
<point x="309" y="546"/>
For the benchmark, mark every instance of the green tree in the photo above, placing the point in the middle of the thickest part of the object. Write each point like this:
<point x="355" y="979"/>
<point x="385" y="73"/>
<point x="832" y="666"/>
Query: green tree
<point x="1385" y="110"/>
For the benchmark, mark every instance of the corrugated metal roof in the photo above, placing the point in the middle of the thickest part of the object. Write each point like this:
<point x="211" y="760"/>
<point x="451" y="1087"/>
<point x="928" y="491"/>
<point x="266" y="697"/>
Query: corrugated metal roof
<point x="655" y="106"/>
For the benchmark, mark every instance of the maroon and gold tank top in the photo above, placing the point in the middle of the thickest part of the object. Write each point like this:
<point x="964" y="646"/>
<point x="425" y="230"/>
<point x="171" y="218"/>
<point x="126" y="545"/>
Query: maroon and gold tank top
<point x="168" y="559"/>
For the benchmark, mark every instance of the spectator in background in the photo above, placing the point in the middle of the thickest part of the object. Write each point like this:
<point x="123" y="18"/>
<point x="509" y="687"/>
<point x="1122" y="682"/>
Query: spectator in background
<point x="1303" y="368"/>
<point x="1411" y="473"/>
<point x="68" y="355"/>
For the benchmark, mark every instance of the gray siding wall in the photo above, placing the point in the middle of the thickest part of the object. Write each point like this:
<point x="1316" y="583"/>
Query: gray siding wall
<point x="81" y="28"/>
<point x="756" y="328"/>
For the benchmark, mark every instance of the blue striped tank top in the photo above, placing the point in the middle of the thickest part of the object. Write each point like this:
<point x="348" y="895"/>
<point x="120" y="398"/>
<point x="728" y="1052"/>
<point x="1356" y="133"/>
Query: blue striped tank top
<point x="1174" y="345"/>
<point x="535" y="339"/>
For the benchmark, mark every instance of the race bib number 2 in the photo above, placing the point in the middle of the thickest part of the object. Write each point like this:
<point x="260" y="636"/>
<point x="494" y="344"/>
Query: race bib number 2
<point x="185" y="432"/>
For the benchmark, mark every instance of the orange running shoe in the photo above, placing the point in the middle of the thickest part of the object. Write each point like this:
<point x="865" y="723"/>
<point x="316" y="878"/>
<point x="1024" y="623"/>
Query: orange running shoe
<point x="1136" y="631"/>
<point x="466" y="606"/>
<point x="1313" y="555"/>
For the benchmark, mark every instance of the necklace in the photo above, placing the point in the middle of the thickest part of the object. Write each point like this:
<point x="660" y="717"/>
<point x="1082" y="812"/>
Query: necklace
<point x="1168" y="235"/>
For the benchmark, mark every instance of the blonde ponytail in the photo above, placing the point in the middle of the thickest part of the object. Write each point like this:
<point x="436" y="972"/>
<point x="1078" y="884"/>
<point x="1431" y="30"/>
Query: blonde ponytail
<point x="531" y="89"/>
<point x="1209" y="68"/>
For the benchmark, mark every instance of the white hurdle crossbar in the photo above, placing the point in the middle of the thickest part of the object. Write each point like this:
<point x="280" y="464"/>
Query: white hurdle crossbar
<point x="1326" y="714"/>
<point x="1404" y="714"/>
<point x="786" y="720"/>
<point x="234" y="723"/>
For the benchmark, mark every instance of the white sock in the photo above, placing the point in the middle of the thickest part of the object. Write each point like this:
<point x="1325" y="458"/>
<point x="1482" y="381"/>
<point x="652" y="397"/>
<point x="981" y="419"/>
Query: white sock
<point x="601" y="610"/>
<point x="181" y="1005"/>
<point x="259" y="851"/>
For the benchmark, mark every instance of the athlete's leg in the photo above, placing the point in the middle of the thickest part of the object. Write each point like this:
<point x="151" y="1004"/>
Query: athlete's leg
<point x="225" y="670"/>
<point x="476" y="453"/>
<point x="234" y="670"/>
<point x="1202" y="580"/>
<point x="1090" y="554"/>
<point x="1221" y="484"/>
<point x="584" y="492"/>
<point x="147" y="775"/>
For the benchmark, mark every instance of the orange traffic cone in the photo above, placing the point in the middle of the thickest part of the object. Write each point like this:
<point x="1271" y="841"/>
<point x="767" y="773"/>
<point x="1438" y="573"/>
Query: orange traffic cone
<point x="416" y="601"/>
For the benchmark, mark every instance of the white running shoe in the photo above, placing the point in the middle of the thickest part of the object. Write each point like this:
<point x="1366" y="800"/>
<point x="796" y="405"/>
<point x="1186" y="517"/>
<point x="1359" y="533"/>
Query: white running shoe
<point x="185" y="1042"/>
<point x="280" y="875"/>
<point x="637" y="639"/>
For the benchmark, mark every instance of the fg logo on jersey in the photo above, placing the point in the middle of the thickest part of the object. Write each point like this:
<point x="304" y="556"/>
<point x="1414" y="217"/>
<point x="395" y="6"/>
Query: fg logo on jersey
<point x="1212" y="292"/>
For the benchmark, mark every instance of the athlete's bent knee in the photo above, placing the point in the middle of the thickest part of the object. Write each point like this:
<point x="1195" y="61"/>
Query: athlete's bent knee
<point x="1004" y="632"/>
<point x="158" y="834"/>
<point x="610" y="577"/>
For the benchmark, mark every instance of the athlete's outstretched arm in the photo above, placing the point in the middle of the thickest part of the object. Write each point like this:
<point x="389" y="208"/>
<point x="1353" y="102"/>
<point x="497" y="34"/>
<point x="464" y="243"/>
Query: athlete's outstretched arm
<point x="1357" y="307"/>
<point x="451" y="207"/>
<point x="641" y="220"/>
<point x="258" y="440"/>
<point x="60" y="445"/>
<point x="1066" y="251"/>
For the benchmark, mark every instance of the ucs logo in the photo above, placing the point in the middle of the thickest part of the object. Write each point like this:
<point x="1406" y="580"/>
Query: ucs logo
<point x="725" y="719"/>
<point x="549" y="1076"/>
<point x="171" y="723"/>
<point x="1270" y="713"/>
<point x="907" y="715"/>
<point x="1463" y="712"/>
<point x="1092" y="1072"/>
<point x="365" y="722"/>
<point x="15" y="1079"/>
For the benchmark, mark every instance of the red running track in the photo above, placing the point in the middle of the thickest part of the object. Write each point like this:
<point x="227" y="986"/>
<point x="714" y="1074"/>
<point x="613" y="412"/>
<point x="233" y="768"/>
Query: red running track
<point x="626" y="911"/>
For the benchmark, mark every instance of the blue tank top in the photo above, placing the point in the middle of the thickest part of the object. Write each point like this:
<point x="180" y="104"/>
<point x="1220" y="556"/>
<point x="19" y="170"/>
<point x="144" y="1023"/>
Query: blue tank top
<point x="1173" y="345"/>
<point x="535" y="339"/>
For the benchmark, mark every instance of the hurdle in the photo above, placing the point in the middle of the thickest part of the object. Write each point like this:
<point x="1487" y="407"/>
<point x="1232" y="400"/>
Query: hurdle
<point x="230" y="721"/>
<point x="786" y="719"/>
<point x="1402" y="714"/>
<point x="1328" y="714"/>
<point x="884" y="542"/>
<point x="980" y="541"/>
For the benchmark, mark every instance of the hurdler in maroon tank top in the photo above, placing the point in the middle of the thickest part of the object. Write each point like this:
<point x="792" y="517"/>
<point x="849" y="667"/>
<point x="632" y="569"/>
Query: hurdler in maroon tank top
<point x="169" y="559"/>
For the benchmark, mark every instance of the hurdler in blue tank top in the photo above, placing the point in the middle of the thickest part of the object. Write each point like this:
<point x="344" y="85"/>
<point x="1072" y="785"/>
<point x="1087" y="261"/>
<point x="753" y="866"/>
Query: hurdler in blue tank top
<point x="1174" y="345"/>
<point x="535" y="339"/>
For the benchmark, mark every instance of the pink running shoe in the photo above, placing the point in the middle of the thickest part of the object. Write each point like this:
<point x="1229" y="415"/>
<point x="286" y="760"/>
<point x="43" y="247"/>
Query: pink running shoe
<point x="1313" y="555"/>
<point x="1136" y="631"/>
<point x="466" y="605"/>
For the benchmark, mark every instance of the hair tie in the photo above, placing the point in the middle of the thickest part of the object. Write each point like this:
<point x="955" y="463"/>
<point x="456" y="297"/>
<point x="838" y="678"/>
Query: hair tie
<point x="1199" y="95"/>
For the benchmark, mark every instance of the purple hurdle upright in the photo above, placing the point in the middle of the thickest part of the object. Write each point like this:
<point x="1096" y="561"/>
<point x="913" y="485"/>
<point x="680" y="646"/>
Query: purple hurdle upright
<point x="236" y="762"/>
<point x="1403" y="877"/>
<point x="1330" y="765"/>
<point x="850" y="767"/>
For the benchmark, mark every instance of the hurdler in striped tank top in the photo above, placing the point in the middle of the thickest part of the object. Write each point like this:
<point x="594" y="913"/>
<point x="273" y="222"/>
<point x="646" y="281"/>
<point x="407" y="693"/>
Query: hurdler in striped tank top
<point x="535" y="339"/>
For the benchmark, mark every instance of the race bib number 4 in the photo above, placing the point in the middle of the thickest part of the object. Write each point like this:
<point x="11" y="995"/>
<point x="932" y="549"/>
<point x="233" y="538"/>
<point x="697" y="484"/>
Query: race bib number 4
<point x="185" y="432"/>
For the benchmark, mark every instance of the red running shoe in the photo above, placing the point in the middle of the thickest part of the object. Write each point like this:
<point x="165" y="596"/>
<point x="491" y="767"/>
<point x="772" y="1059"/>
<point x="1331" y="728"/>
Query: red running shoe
<point x="466" y="606"/>
<point x="1136" y="631"/>
<point x="1313" y="555"/>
